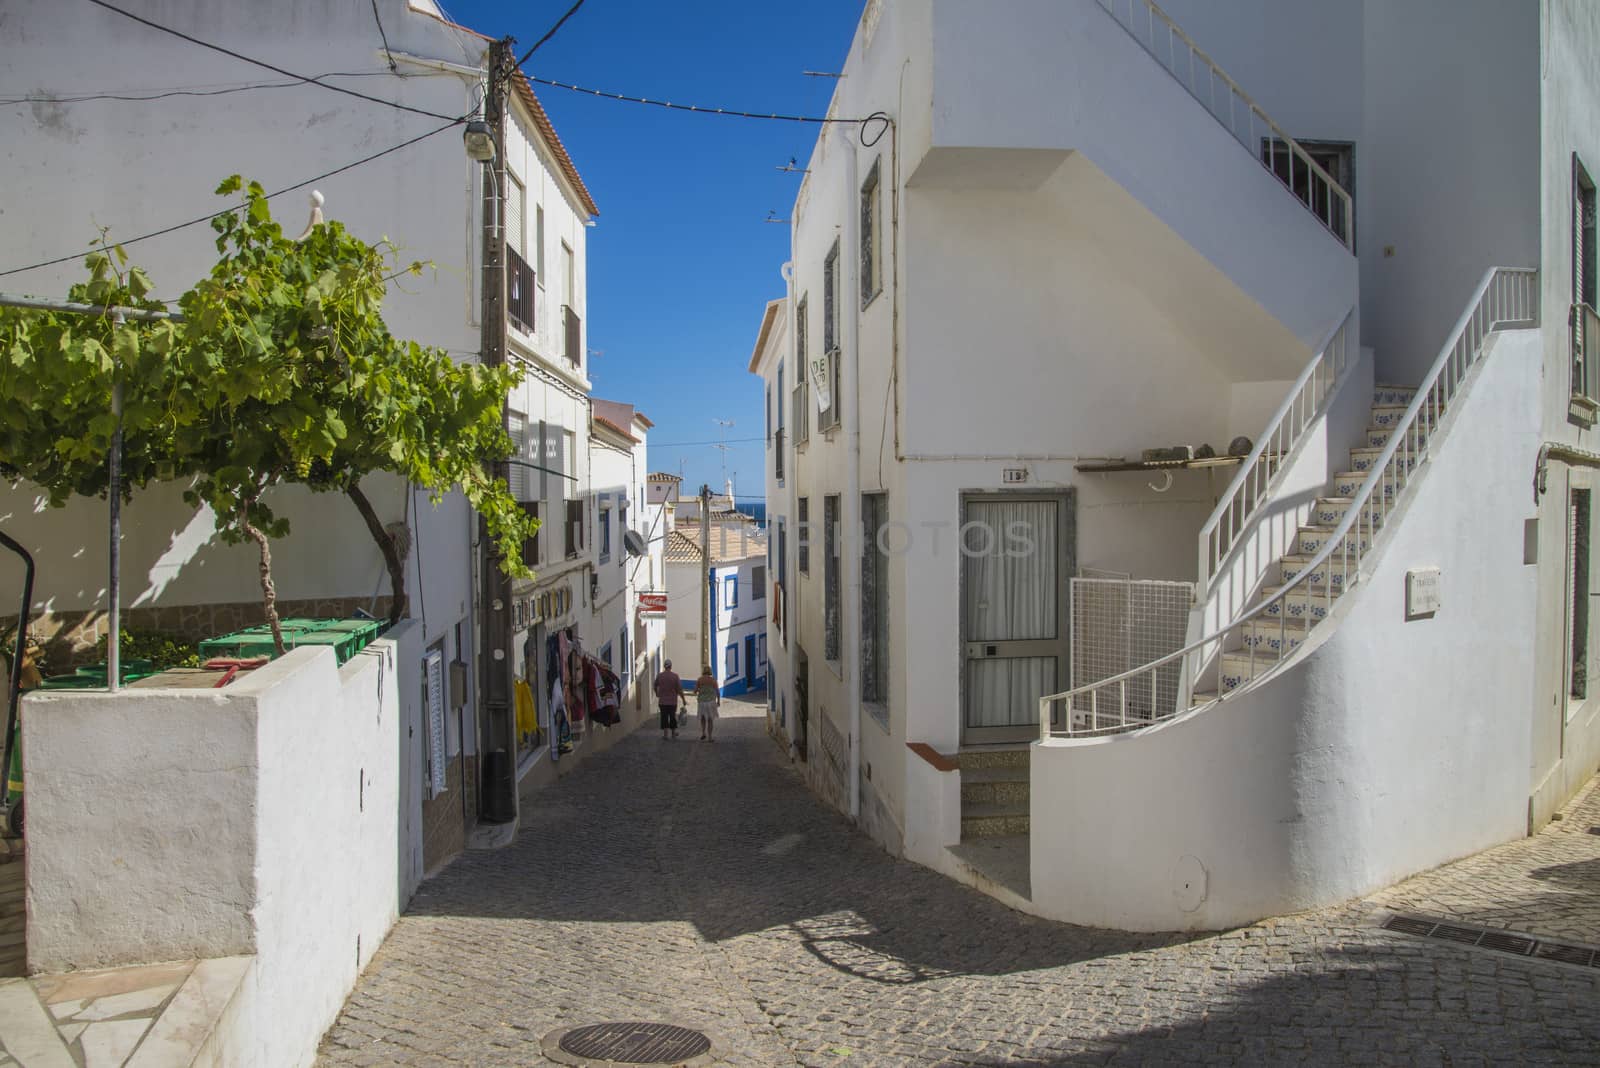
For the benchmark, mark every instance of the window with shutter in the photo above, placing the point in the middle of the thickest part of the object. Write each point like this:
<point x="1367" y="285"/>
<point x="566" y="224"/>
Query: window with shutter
<point x="433" y="672"/>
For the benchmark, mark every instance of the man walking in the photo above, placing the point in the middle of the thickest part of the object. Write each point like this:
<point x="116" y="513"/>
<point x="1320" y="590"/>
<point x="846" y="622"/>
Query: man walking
<point x="669" y="691"/>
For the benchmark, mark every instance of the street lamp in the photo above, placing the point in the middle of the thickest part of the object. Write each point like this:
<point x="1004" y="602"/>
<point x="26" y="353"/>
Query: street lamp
<point x="479" y="139"/>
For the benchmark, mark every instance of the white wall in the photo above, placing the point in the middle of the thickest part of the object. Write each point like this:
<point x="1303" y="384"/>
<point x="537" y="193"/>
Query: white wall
<point x="1389" y="748"/>
<point x="262" y="818"/>
<point x="132" y="166"/>
<point x="1565" y="733"/>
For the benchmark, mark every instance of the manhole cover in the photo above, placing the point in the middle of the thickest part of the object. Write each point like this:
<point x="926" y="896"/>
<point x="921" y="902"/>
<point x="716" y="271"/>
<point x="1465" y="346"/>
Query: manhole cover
<point x="628" y="1043"/>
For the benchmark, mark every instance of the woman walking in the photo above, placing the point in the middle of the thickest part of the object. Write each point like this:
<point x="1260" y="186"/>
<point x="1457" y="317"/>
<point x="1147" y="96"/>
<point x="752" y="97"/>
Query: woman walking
<point x="706" y="700"/>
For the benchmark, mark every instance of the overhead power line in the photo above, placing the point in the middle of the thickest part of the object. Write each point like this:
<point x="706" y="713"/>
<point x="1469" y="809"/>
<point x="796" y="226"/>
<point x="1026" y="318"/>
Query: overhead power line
<point x="687" y="444"/>
<point x="731" y="112"/>
<point x="307" y="79"/>
<point x="163" y="93"/>
<point x="275" y="193"/>
<point x="571" y="11"/>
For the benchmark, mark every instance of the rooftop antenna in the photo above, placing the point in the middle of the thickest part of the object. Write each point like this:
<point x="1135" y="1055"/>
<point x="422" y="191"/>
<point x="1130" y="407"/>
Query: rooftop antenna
<point x="726" y="425"/>
<point x="772" y="216"/>
<point x="820" y="74"/>
<point x="793" y="167"/>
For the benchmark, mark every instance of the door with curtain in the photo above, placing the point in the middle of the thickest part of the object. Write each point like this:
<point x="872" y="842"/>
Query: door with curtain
<point x="1016" y="553"/>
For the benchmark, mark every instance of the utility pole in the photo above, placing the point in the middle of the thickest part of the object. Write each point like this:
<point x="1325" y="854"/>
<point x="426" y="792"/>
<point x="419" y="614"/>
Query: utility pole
<point x="497" y="782"/>
<point x="705" y="576"/>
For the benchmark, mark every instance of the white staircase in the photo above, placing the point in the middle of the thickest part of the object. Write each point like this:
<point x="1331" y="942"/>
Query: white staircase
<point x="1284" y="623"/>
<point x="1324" y="561"/>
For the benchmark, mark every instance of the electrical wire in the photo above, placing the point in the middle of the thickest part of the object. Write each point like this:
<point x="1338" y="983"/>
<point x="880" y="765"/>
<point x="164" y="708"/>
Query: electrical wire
<point x="265" y="65"/>
<point x="275" y="193"/>
<point x="730" y="112"/>
<point x="571" y="11"/>
<point x="394" y="68"/>
<point x="687" y="444"/>
<point x="164" y="93"/>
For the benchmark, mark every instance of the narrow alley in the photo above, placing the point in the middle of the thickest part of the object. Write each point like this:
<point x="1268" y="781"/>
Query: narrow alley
<point x="702" y="885"/>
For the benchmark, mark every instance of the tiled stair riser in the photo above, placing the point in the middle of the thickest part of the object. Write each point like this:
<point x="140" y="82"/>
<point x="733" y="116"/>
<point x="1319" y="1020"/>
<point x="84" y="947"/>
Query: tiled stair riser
<point x="1393" y="395"/>
<point x="1001" y="792"/>
<point x="1349" y="483"/>
<point x="1330" y="512"/>
<point x="1310" y="542"/>
<point x="1361" y="460"/>
<point x="1319" y="577"/>
<point x="1273" y="638"/>
<point x="1300" y="604"/>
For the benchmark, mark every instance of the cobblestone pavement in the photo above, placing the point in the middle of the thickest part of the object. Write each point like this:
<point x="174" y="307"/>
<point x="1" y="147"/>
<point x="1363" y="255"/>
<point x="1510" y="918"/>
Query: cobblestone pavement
<point x="1547" y="885"/>
<point x="701" y="884"/>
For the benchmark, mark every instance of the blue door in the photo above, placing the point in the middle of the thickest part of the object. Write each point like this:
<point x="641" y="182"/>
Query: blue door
<point x="757" y="679"/>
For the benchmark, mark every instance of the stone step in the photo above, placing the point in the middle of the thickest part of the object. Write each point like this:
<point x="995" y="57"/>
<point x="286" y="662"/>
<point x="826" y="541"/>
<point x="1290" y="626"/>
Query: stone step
<point x="1274" y="635"/>
<point x="1011" y="756"/>
<point x="1349" y="483"/>
<point x="988" y="821"/>
<point x="1239" y="668"/>
<point x="1329" y="511"/>
<point x="1388" y="416"/>
<point x="1310" y="540"/>
<point x="987" y="786"/>
<point x="1361" y="460"/>
<point x="1303" y="602"/>
<point x="1331" y="572"/>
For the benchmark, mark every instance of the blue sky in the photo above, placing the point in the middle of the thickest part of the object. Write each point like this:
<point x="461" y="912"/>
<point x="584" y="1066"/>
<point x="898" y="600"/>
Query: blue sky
<point x="681" y="263"/>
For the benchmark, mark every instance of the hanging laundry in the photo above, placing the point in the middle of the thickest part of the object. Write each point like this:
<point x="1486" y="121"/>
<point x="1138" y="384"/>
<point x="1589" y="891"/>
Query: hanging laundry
<point x="608" y="698"/>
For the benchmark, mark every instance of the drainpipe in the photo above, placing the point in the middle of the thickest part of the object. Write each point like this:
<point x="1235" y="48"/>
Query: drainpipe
<point x="850" y="566"/>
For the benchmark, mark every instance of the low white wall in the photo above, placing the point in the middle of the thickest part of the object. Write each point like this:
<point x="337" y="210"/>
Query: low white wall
<point x="262" y="818"/>
<point x="1391" y="747"/>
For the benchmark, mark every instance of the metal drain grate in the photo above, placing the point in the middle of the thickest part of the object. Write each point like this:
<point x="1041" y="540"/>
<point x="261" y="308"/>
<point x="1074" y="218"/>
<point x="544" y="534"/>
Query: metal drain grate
<point x="1500" y="941"/>
<point x="635" y="1043"/>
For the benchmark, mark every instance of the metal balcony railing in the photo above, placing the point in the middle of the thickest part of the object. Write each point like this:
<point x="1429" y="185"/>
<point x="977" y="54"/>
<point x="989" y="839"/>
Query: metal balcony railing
<point x="1585" y="354"/>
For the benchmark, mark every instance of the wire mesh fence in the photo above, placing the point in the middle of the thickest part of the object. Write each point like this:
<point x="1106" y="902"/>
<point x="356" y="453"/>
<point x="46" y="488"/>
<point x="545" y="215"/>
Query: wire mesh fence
<point x="1117" y="625"/>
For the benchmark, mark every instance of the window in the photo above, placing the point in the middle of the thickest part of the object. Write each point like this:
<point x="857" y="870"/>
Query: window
<point x="519" y="480"/>
<point x="829" y="418"/>
<point x="874" y="602"/>
<point x="730" y="592"/>
<point x="830" y="571"/>
<point x="530" y="546"/>
<point x="781" y="547"/>
<point x="538" y="237"/>
<point x="758" y="583"/>
<point x="574" y="527"/>
<point x="802" y="386"/>
<point x="1578" y="594"/>
<point x="519" y="292"/>
<point x="605" y="655"/>
<point x="871" y="284"/>
<point x="1585" y="325"/>
<point x="605" y="534"/>
<point x="802" y="532"/>
<point x="769" y="417"/>
<point x="731" y="662"/>
<point x="569" y="274"/>
<point x="1337" y="158"/>
<point x="760" y="666"/>
<point x="516" y="199"/>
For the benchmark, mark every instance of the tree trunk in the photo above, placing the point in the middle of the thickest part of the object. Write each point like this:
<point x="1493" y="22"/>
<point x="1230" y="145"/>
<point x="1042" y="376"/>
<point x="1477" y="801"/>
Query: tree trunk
<point x="391" y="556"/>
<point x="269" y="593"/>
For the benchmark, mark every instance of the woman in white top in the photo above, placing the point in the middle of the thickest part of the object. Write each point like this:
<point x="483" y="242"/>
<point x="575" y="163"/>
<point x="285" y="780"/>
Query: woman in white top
<point x="706" y="700"/>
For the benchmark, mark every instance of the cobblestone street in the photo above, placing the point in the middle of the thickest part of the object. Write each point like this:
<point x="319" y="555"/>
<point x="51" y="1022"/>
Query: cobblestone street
<point x="702" y="885"/>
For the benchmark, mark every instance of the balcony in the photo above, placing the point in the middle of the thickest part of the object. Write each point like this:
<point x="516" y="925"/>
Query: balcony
<point x="572" y="329"/>
<point x="519" y="292"/>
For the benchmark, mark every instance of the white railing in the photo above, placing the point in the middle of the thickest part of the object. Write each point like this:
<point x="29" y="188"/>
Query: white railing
<point x="1241" y="116"/>
<point x="1507" y="298"/>
<point x="1257" y="478"/>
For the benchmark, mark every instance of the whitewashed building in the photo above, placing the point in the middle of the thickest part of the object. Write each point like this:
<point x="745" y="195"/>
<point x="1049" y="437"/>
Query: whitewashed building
<point x="85" y="156"/>
<point x="1275" y="672"/>
<point x="736" y="603"/>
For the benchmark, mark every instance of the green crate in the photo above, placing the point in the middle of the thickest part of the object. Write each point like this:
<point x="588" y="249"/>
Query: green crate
<point x="346" y="636"/>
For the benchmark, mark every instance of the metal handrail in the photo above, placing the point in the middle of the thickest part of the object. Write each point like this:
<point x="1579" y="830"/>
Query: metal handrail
<point x="1503" y="289"/>
<point x="1255" y="481"/>
<point x="1253" y="110"/>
